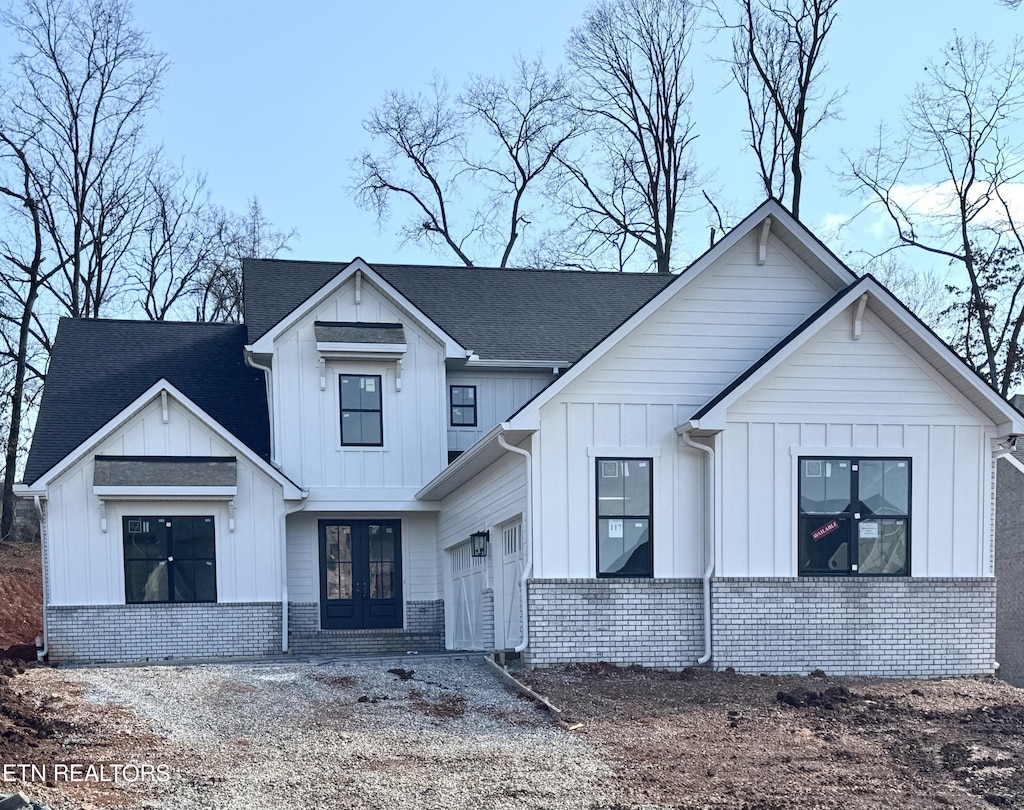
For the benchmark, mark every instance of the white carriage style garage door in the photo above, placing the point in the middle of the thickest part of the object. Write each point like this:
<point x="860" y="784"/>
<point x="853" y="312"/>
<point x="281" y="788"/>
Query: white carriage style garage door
<point x="468" y="575"/>
<point x="508" y="601"/>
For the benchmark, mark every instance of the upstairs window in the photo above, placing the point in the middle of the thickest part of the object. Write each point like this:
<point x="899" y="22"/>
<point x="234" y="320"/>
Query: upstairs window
<point x="624" y="508"/>
<point x="169" y="559"/>
<point x="854" y="516"/>
<point x="362" y="423"/>
<point x="462" y="405"/>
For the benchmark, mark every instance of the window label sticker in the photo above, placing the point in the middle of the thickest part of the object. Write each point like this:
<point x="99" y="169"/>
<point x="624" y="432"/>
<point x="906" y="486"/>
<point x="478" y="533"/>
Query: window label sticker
<point x="615" y="529"/>
<point x="828" y="528"/>
<point x="371" y="385"/>
<point x="869" y="530"/>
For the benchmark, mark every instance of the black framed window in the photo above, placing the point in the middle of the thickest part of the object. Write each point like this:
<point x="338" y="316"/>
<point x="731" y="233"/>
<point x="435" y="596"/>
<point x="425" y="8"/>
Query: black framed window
<point x="462" y="405"/>
<point x="625" y="506"/>
<point x="362" y="421"/>
<point x="854" y="516"/>
<point x="170" y="559"/>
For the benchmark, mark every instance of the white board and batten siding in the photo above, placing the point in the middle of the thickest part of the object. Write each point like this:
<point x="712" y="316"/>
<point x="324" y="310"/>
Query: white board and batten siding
<point x="419" y="553"/>
<point x="308" y="420"/>
<point x="495" y="497"/>
<point x="87" y="564"/>
<point x="632" y="399"/>
<point x="499" y="394"/>
<point x="871" y="397"/>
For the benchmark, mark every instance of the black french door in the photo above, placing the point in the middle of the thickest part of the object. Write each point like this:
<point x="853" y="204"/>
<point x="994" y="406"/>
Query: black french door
<point x="360" y="574"/>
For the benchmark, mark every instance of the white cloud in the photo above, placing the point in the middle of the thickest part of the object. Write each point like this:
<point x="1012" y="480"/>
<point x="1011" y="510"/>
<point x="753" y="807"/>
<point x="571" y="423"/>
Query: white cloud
<point x="937" y="200"/>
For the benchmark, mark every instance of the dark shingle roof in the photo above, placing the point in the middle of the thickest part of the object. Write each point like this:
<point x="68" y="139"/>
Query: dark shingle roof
<point x="98" y="367"/>
<point x="499" y="314"/>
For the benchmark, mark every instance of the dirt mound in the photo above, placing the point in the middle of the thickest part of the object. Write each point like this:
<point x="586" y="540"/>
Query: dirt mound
<point x="21" y="596"/>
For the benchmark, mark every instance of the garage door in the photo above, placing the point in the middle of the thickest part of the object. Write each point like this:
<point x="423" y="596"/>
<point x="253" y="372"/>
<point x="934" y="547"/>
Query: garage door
<point x="467" y="584"/>
<point x="510" y="599"/>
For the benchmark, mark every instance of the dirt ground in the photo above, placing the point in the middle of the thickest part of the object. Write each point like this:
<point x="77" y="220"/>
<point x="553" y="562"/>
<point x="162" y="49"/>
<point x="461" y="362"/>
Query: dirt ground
<point x="701" y="739"/>
<point x="21" y="595"/>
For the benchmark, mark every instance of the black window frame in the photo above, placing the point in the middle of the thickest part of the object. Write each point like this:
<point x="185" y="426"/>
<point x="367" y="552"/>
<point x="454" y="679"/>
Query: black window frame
<point x="856" y="513"/>
<point x="172" y="558"/>
<point x="599" y="516"/>
<point x="452" y="406"/>
<point x="342" y="410"/>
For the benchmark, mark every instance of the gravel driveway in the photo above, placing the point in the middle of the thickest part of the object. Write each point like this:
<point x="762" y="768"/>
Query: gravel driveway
<point x="350" y="735"/>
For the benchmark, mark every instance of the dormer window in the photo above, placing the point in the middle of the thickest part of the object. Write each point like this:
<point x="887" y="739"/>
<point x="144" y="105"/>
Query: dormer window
<point x="362" y="423"/>
<point x="462" y="405"/>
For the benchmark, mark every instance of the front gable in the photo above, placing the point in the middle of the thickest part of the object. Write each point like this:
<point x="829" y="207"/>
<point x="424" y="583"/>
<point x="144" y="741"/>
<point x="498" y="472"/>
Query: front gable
<point x="743" y="294"/>
<point x="361" y="280"/>
<point x="85" y="513"/>
<point x="356" y="332"/>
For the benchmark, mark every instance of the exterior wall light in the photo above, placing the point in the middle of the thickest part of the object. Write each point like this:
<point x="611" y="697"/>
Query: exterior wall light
<point x="478" y="543"/>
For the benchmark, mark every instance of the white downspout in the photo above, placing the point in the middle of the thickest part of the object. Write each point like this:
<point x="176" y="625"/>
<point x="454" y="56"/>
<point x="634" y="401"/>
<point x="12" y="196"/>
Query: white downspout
<point x="527" y="540"/>
<point x="709" y="529"/>
<point x="42" y="653"/>
<point x="284" y="572"/>
<point x="251" y="361"/>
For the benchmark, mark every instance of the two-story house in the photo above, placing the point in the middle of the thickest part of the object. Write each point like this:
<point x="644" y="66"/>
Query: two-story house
<point x="763" y="462"/>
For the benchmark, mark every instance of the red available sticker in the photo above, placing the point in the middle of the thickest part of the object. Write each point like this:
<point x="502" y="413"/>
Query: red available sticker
<point x="828" y="528"/>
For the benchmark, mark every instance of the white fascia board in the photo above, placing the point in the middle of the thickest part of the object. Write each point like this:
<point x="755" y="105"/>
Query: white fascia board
<point x="528" y="414"/>
<point x="265" y="344"/>
<point x="553" y="366"/>
<point x="159" y="492"/>
<point x="26" y="491"/>
<point x="291" y="491"/>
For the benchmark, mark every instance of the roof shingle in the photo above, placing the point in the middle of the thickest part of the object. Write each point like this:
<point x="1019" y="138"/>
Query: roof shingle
<point x="500" y="314"/>
<point x="99" y="367"/>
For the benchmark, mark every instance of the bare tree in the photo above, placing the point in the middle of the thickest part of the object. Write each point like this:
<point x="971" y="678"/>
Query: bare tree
<point x="22" y="279"/>
<point x="945" y="189"/>
<point x="777" y="63"/>
<point x="530" y="121"/>
<point x="86" y="78"/>
<point x="218" y="287"/>
<point x="176" y="244"/>
<point x="466" y="166"/>
<point x="624" y="187"/>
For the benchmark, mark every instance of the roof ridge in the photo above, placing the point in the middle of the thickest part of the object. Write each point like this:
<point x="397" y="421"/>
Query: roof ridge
<point x="149" y="321"/>
<point x="404" y="266"/>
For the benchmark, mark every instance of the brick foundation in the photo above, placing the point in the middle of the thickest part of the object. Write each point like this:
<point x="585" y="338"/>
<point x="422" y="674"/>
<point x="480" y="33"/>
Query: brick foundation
<point x="652" y="622"/>
<point x="155" y="632"/>
<point x="424" y="632"/>
<point x="899" y="627"/>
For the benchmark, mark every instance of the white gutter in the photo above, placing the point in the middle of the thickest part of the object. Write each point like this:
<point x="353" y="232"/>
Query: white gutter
<point x="527" y="539"/>
<point x="554" y="366"/>
<point x="44" y="651"/>
<point x="709" y="530"/>
<point x="250" y="361"/>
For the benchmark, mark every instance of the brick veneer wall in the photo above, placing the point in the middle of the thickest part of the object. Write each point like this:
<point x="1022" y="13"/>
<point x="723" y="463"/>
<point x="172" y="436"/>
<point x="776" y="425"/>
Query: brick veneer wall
<point x="897" y="627"/>
<point x="424" y="632"/>
<point x="653" y="622"/>
<point x="97" y="633"/>
<point x="1010" y="572"/>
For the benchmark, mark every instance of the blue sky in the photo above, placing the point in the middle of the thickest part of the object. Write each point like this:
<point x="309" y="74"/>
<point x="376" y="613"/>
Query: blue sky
<point x="267" y="98"/>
